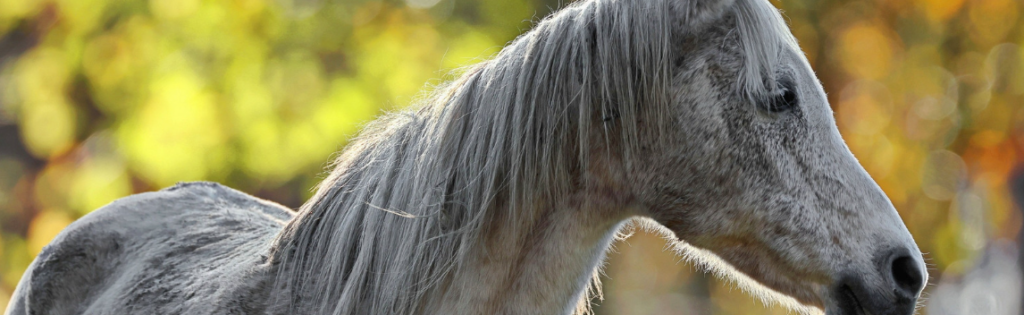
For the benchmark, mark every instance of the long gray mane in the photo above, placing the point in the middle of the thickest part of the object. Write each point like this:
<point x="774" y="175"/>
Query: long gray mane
<point x="416" y="190"/>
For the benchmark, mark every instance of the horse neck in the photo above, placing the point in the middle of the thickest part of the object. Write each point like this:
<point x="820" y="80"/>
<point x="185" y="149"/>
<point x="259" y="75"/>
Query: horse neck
<point x="542" y="266"/>
<point x="547" y="265"/>
<point x="531" y="259"/>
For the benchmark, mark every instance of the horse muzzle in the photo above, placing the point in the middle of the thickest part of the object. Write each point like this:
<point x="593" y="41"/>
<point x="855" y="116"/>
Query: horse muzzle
<point x="893" y="290"/>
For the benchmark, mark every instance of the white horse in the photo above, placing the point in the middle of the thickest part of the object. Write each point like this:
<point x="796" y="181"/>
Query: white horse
<point x="501" y="194"/>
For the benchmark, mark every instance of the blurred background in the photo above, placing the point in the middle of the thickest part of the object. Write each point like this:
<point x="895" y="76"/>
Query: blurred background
<point x="100" y="99"/>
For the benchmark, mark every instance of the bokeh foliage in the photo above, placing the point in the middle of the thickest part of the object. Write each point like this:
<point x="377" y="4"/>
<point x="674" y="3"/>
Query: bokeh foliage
<point x="100" y="99"/>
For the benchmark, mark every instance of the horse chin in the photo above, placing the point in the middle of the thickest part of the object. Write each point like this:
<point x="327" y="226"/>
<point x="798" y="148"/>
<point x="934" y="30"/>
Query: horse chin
<point x="762" y="274"/>
<point x="847" y="307"/>
<point x="852" y="296"/>
<point x="846" y="302"/>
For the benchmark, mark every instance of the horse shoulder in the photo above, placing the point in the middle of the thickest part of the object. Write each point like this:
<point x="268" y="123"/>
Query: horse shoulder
<point x="167" y="251"/>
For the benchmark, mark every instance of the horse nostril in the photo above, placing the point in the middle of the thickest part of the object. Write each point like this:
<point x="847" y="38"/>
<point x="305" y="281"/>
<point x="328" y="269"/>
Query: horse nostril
<point x="907" y="274"/>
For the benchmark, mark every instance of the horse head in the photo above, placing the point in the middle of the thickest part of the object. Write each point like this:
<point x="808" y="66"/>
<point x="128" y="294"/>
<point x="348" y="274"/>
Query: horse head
<point x="750" y="167"/>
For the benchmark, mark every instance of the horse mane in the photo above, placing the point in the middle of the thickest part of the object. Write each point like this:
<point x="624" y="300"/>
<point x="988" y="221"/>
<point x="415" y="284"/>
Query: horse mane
<point x="415" y="191"/>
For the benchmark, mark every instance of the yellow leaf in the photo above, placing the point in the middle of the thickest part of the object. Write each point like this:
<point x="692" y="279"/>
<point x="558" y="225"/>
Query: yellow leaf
<point x="866" y="51"/>
<point x="44" y="227"/>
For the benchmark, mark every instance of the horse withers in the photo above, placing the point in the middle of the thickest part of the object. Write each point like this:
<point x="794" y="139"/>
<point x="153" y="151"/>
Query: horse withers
<point x="502" y="191"/>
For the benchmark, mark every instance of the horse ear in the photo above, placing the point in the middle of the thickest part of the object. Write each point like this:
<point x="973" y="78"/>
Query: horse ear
<point x="691" y="14"/>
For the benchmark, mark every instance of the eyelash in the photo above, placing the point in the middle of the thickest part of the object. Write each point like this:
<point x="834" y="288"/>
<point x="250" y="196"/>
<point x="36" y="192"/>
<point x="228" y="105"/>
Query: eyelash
<point x="784" y="101"/>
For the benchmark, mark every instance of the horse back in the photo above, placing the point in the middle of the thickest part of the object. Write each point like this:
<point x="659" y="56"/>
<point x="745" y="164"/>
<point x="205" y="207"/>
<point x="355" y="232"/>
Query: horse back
<point x="188" y="248"/>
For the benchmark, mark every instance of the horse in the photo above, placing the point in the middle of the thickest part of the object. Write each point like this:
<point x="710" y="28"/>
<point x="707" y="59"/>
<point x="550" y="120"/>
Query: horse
<point x="502" y="190"/>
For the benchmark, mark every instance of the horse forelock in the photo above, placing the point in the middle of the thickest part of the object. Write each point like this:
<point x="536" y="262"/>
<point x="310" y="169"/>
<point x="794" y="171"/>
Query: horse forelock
<point x="415" y="190"/>
<point x="764" y="36"/>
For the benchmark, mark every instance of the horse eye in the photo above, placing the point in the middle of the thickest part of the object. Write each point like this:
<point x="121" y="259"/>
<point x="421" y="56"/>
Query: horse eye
<point x="782" y="100"/>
